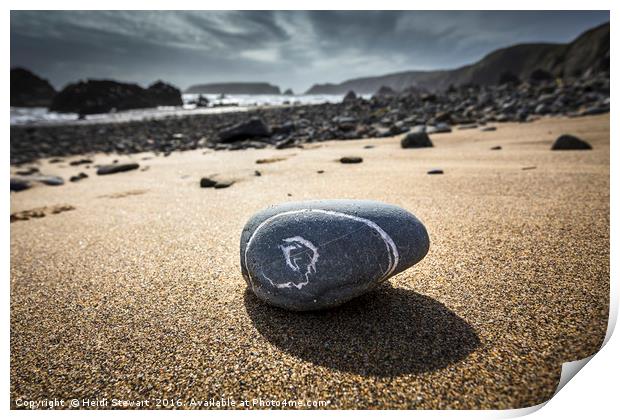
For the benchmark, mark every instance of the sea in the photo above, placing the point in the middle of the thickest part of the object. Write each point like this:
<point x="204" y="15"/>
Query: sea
<point x="217" y="104"/>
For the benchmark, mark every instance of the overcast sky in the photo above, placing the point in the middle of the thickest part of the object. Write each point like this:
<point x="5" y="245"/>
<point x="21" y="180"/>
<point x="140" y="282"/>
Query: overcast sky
<point x="289" y="49"/>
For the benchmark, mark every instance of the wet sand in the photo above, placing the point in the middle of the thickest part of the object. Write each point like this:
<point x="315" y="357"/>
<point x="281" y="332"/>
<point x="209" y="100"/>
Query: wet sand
<point x="136" y="292"/>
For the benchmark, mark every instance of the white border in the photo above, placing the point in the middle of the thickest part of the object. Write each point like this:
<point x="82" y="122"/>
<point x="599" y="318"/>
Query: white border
<point x="594" y="394"/>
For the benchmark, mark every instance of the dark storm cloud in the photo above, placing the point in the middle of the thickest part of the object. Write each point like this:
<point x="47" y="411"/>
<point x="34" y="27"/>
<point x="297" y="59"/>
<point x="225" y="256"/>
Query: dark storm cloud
<point x="292" y="49"/>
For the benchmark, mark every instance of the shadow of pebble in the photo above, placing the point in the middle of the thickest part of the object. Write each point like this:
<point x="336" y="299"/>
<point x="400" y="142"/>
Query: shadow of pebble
<point x="388" y="332"/>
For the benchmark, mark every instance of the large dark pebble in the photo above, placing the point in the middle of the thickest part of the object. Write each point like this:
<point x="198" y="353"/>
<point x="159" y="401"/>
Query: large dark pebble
<point x="319" y="254"/>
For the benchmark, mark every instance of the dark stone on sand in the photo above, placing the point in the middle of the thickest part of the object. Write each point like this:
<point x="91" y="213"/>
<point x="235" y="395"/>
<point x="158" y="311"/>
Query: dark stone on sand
<point x="351" y="159"/>
<point x="252" y="128"/>
<point x="435" y="172"/>
<point x="496" y="148"/>
<point x="78" y="177"/>
<point x="80" y="162"/>
<point x="51" y="180"/>
<point x="214" y="182"/>
<point x="416" y="140"/>
<point x="319" y="254"/>
<point x="369" y="146"/>
<point x="19" y="184"/>
<point x="206" y="182"/>
<point x="320" y="171"/>
<point x="225" y="183"/>
<point x="257" y="173"/>
<point x="569" y="142"/>
<point x="29" y="171"/>
<point x="113" y="169"/>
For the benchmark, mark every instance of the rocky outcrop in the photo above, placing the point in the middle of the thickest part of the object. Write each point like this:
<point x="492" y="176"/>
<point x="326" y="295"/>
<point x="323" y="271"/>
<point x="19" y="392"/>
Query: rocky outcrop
<point x="164" y="94"/>
<point x="258" y="88"/>
<point x="29" y="90"/>
<point x="100" y="96"/>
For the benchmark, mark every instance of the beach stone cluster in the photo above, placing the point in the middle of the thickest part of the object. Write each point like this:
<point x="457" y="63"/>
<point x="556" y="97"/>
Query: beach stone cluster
<point x="319" y="254"/>
<point x="357" y="117"/>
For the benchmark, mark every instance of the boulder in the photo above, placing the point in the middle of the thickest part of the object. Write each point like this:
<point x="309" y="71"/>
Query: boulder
<point x="569" y="142"/>
<point x="416" y="140"/>
<point x="252" y="128"/>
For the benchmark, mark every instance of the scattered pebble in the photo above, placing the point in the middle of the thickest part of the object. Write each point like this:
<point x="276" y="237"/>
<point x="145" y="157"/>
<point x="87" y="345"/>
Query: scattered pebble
<point x="78" y="177"/>
<point x="213" y="182"/>
<point x="435" y="172"/>
<point x="29" y="171"/>
<point x="39" y="212"/>
<point x="80" y="162"/>
<point x="496" y="148"/>
<point x="269" y="160"/>
<point x="113" y="169"/>
<point x="351" y="159"/>
<point x="20" y="184"/>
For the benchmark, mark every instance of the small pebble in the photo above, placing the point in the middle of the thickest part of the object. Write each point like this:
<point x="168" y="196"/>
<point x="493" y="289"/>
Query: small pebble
<point x="351" y="159"/>
<point x="113" y="169"/>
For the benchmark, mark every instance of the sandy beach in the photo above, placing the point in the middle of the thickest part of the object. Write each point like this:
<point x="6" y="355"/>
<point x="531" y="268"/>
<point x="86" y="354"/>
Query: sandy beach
<point x="133" y="291"/>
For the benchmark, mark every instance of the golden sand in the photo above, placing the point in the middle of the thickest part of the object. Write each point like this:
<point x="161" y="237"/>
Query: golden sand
<point x="137" y="292"/>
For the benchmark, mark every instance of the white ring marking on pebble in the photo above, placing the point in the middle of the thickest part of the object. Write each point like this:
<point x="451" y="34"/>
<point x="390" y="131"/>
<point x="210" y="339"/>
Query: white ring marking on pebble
<point x="389" y="243"/>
